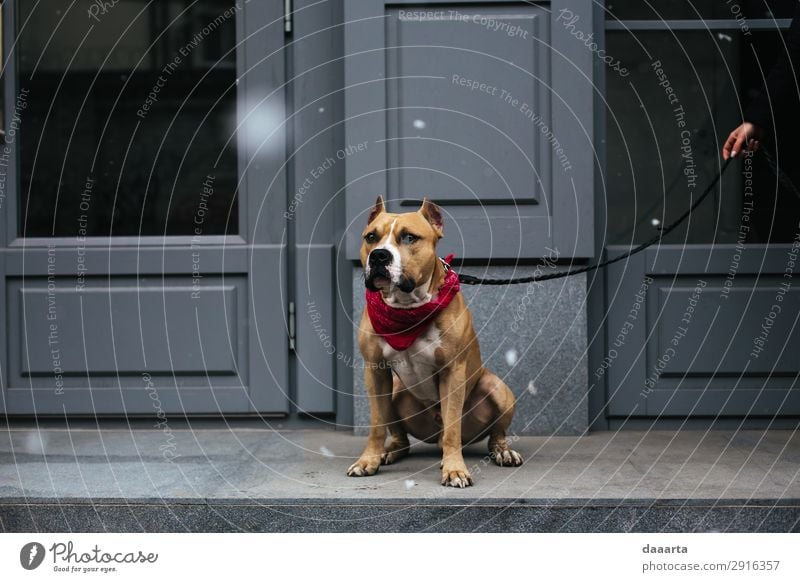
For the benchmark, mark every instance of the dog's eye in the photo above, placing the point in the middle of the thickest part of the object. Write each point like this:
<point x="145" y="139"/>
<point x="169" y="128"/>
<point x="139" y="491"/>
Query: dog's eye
<point x="408" y="238"/>
<point x="371" y="238"/>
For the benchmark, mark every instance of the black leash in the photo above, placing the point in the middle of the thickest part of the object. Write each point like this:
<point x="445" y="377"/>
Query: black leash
<point x="664" y="231"/>
<point x="785" y="181"/>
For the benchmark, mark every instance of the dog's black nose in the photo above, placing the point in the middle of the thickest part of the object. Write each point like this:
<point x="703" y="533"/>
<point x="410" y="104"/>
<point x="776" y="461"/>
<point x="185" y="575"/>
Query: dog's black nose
<point x="380" y="257"/>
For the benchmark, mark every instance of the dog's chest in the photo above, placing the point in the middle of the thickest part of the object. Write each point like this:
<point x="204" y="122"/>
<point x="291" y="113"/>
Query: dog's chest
<point x="416" y="366"/>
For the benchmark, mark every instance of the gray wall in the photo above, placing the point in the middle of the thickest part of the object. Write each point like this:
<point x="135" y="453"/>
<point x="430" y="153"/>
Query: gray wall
<point x="544" y="325"/>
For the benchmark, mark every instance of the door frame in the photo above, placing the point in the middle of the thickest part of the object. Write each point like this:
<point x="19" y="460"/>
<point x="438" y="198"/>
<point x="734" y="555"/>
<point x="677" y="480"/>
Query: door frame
<point x="256" y="253"/>
<point x="597" y="285"/>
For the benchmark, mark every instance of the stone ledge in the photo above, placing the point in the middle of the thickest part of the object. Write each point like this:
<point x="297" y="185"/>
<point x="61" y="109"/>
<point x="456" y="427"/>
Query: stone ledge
<point x="398" y="515"/>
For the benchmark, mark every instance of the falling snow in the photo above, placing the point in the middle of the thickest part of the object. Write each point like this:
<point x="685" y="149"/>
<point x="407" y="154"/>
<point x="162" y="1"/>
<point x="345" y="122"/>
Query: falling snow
<point x="511" y="357"/>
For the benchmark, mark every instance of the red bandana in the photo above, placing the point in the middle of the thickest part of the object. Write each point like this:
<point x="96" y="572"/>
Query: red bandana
<point x="400" y="327"/>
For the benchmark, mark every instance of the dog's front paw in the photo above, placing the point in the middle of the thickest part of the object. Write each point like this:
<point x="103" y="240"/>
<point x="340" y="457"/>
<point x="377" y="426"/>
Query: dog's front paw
<point x="364" y="467"/>
<point x="506" y="457"/>
<point x="456" y="475"/>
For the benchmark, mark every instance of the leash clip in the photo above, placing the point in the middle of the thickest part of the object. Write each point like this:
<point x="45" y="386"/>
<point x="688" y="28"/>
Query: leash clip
<point x="447" y="267"/>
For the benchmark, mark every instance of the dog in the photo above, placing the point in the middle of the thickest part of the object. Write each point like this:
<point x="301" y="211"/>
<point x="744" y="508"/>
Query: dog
<point x="423" y="370"/>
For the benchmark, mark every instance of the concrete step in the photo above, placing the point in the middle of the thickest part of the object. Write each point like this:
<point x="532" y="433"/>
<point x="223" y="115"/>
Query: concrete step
<point x="229" y="478"/>
<point x="397" y="515"/>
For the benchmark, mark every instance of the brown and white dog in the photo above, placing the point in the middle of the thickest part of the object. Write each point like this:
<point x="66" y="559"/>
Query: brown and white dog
<point x="436" y="390"/>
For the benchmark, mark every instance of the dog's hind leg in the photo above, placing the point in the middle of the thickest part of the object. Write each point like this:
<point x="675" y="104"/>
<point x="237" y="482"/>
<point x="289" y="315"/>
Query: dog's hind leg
<point x="398" y="447"/>
<point x="503" y="399"/>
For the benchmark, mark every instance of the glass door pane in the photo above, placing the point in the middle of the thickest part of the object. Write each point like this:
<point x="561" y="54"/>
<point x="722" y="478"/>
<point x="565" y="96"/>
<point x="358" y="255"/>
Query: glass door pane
<point x="667" y="119"/>
<point x="126" y="117"/>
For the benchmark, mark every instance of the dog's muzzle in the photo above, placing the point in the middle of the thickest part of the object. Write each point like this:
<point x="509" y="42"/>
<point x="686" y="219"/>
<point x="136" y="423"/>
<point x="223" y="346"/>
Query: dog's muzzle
<point x="377" y="268"/>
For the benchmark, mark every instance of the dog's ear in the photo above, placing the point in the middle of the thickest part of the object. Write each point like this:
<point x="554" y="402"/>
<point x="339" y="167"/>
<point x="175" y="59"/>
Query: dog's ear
<point x="376" y="210"/>
<point x="433" y="215"/>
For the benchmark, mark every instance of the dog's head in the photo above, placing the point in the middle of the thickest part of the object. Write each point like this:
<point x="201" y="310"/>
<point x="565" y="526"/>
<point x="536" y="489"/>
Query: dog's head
<point x="398" y="251"/>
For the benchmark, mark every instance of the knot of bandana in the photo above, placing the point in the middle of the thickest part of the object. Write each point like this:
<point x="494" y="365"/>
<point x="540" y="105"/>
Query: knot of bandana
<point x="401" y="327"/>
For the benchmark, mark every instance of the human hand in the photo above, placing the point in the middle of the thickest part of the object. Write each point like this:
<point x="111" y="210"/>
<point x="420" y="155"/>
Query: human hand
<point x="747" y="136"/>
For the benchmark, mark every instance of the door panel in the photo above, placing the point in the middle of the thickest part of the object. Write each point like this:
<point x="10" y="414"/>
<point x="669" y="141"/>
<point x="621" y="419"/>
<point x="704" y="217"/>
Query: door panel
<point x="694" y="343"/>
<point x="726" y="341"/>
<point x="53" y="316"/>
<point x="194" y="343"/>
<point x="458" y="103"/>
<point x="444" y="106"/>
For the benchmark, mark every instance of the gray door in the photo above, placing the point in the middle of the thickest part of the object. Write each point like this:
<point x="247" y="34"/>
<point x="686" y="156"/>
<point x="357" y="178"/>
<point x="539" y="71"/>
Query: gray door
<point x="464" y="102"/>
<point x="705" y="326"/>
<point x="143" y="198"/>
